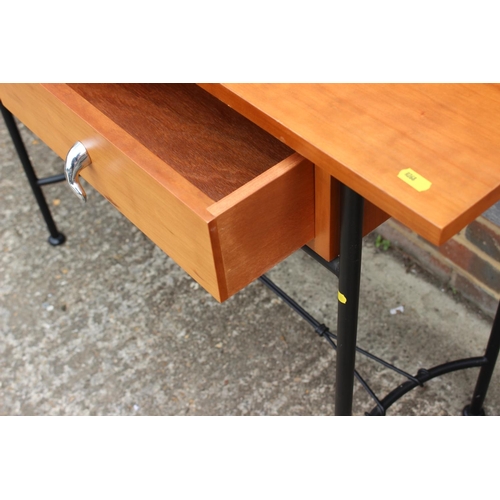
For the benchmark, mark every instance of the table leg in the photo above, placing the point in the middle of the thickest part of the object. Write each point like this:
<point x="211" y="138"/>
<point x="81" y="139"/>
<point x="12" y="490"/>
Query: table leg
<point x="56" y="237"/>
<point x="484" y="378"/>
<point x="351" y="240"/>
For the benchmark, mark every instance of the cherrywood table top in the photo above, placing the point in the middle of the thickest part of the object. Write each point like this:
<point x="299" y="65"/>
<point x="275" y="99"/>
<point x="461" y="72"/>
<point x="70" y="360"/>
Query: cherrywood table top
<point x="427" y="154"/>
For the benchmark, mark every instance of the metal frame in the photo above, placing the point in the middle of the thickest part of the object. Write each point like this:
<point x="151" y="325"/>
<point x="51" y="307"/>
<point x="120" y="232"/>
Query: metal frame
<point x="56" y="237"/>
<point x="349" y="286"/>
<point x="347" y="268"/>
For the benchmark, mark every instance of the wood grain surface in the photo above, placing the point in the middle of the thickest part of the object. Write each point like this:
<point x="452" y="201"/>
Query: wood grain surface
<point x="364" y="135"/>
<point x="223" y="245"/>
<point x="326" y="215"/>
<point x="208" y="143"/>
<point x="326" y="242"/>
<point x="258" y="226"/>
<point x="170" y="211"/>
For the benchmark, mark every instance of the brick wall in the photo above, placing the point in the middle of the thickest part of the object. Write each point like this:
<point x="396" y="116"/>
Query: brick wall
<point x="469" y="263"/>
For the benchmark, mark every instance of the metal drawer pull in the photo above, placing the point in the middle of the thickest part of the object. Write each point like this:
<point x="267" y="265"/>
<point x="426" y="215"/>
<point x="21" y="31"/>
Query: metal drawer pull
<point x="76" y="160"/>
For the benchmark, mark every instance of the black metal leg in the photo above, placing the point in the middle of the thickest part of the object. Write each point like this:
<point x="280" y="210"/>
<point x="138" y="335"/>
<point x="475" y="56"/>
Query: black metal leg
<point x="56" y="237"/>
<point x="348" y="268"/>
<point x="484" y="378"/>
<point x="351" y="240"/>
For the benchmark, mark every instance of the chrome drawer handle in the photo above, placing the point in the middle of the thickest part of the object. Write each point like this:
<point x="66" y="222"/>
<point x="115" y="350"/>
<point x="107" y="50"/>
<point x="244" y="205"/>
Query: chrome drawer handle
<point x="76" y="160"/>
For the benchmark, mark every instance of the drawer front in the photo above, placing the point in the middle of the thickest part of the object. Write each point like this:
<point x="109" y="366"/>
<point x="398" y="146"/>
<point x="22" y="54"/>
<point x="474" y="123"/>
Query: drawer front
<point x="223" y="245"/>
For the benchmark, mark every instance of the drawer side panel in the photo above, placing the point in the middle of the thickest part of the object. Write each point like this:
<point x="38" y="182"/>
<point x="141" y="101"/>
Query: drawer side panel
<point x="171" y="224"/>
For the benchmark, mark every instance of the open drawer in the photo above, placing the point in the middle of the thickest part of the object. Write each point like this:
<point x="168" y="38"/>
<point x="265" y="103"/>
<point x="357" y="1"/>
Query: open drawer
<point x="219" y="195"/>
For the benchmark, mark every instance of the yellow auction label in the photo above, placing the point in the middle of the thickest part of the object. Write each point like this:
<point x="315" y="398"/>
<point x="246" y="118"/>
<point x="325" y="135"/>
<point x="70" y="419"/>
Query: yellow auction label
<point x="415" y="180"/>
<point x="342" y="298"/>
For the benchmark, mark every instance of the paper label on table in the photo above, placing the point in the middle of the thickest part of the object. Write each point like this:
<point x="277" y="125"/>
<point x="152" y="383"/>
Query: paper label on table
<point x="415" y="180"/>
<point x="342" y="298"/>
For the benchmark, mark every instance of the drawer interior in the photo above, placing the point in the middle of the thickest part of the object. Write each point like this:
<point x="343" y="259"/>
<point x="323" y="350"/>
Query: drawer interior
<point x="212" y="146"/>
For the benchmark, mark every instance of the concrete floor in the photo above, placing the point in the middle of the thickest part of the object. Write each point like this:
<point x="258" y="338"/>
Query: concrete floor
<point x="107" y="324"/>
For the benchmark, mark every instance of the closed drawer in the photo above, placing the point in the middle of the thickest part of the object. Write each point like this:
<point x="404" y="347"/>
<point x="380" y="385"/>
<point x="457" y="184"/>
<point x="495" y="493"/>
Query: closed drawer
<point x="223" y="198"/>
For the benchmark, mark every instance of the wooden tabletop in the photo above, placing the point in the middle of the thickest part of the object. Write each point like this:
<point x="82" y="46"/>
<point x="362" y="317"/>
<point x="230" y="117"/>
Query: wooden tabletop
<point x="427" y="154"/>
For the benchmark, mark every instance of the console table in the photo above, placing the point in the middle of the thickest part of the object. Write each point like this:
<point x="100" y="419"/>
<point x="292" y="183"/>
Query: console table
<point x="230" y="179"/>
